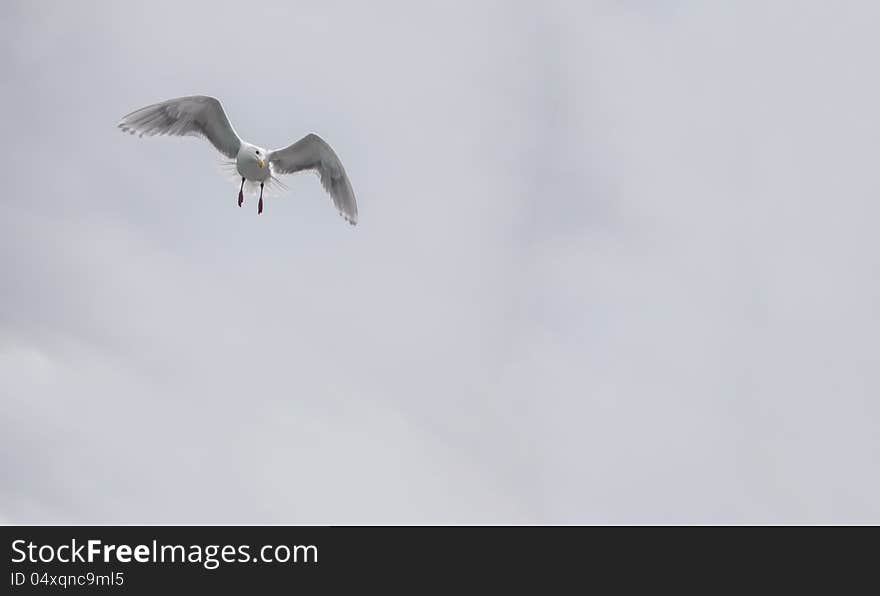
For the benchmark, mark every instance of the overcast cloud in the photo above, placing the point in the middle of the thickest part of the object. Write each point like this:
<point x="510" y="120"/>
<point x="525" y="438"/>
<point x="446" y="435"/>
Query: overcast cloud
<point x="617" y="261"/>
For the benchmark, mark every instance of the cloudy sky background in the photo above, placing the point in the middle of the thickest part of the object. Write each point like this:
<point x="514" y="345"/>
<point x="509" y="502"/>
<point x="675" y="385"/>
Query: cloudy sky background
<point x="617" y="261"/>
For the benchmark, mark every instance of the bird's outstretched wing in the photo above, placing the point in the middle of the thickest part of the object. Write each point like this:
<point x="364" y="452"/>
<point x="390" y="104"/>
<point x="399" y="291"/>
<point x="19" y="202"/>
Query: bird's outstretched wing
<point x="196" y="115"/>
<point x="312" y="153"/>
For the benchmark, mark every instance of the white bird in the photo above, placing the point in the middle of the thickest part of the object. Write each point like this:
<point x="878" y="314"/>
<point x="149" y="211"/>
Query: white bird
<point x="203" y="116"/>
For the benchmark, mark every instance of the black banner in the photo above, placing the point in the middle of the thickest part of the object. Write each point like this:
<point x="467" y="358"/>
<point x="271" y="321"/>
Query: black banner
<point x="177" y="559"/>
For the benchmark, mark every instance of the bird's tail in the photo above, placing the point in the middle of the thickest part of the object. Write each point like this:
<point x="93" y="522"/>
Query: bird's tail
<point x="273" y="187"/>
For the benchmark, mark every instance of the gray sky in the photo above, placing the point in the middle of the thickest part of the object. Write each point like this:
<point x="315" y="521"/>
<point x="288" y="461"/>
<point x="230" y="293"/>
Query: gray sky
<point x="617" y="262"/>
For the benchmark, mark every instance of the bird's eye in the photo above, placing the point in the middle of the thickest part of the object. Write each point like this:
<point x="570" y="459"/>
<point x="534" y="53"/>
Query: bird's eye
<point x="258" y="152"/>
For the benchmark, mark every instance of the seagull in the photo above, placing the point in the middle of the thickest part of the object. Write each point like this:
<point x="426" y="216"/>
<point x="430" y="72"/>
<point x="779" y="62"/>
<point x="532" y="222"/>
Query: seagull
<point x="203" y="116"/>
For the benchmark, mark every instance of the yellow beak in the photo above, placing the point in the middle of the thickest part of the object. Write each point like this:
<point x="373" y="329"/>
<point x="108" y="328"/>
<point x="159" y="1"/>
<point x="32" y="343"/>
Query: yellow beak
<point x="262" y="164"/>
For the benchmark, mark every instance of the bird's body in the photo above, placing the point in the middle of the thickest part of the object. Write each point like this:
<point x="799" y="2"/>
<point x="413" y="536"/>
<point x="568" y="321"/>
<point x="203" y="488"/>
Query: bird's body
<point x="203" y="116"/>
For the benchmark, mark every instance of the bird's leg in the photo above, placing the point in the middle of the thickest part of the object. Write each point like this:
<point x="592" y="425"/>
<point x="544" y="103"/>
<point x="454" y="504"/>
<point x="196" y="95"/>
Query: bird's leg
<point x="241" y="192"/>
<point x="260" y="205"/>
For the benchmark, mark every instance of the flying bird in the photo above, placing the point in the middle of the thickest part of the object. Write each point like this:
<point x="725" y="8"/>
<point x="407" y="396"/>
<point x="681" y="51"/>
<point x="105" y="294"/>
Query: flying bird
<point x="203" y="116"/>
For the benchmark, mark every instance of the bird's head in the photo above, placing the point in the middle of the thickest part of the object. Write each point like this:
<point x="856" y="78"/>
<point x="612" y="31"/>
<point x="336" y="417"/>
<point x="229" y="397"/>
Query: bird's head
<point x="260" y="156"/>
